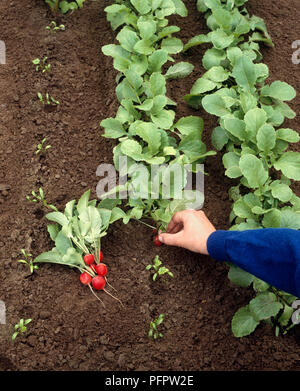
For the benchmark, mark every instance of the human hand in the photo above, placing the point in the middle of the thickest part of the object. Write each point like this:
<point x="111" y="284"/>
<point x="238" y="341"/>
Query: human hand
<point x="189" y="229"/>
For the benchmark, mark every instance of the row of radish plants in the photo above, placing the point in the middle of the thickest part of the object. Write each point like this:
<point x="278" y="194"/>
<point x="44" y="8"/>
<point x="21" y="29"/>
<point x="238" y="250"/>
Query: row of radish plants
<point x="250" y="116"/>
<point x="233" y="88"/>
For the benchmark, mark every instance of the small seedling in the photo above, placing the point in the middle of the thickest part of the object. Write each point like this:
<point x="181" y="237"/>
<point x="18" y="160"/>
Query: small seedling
<point x="28" y="261"/>
<point x="48" y="100"/>
<point x="42" y="147"/>
<point x="159" y="270"/>
<point x="54" y="27"/>
<point x="40" y="198"/>
<point x="20" y="328"/>
<point x="153" y="332"/>
<point x="40" y="65"/>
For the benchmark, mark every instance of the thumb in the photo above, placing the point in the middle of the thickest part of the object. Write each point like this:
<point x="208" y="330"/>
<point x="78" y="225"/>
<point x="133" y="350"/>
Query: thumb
<point x="171" y="239"/>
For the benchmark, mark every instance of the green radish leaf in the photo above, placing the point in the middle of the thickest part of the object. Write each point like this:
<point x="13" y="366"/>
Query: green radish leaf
<point x="132" y="149"/>
<point x="127" y="38"/>
<point x="180" y="8"/>
<point x="240" y="277"/>
<point x="196" y="41"/>
<point x="83" y="201"/>
<point x="91" y="215"/>
<point x="168" y="31"/>
<point x="288" y="135"/>
<point x="53" y="230"/>
<point x="117" y="214"/>
<point x="236" y="127"/>
<point x="220" y="39"/>
<point x="286" y="315"/>
<point x="217" y="74"/>
<point x="157" y="84"/>
<point x="244" y="73"/>
<point x="279" y="90"/>
<point x="58" y="217"/>
<point x="281" y="191"/>
<point x="164" y="119"/>
<point x="159" y="102"/>
<point x="187" y="125"/>
<point x="215" y="104"/>
<point x="157" y="60"/>
<point x="264" y="305"/>
<point x="243" y="323"/>
<point x="260" y="285"/>
<point x="146" y="27"/>
<point x="241" y="209"/>
<point x="150" y="134"/>
<point x="146" y="105"/>
<point x="213" y="57"/>
<point x="254" y="119"/>
<point x="113" y="128"/>
<point x="290" y="219"/>
<point x="142" y="6"/>
<point x="266" y="138"/>
<point x="179" y="70"/>
<point x="203" y="85"/>
<point x="289" y="164"/>
<point x="272" y="219"/>
<point x="62" y="243"/>
<point x="144" y="46"/>
<point x="69" y="209"/>
<point x="253" y="170"/>
<point x="72" y="257"/>
<point x="219" y="138"/>
<point x="172" y="45"/>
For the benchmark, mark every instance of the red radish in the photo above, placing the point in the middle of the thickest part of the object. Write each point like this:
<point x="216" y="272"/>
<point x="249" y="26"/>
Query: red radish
<point x="89" y="259"/>
<point x="98" y="283"/>
<point x="156" y="241"/>
<point x="101" y="256"/>
<point x="101" y="270"/>
<point x="85" y="278"/>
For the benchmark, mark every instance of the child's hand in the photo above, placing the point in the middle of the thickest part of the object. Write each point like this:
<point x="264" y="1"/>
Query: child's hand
<point x="189" y="229"/>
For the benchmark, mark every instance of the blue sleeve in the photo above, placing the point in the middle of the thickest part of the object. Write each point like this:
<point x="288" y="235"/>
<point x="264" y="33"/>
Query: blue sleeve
<point x="271" y="254"/>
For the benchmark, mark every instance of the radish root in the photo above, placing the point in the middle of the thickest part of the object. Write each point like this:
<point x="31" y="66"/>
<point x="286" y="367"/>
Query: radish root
<point x="96" y="295"/>
<point x="113" y="297"/>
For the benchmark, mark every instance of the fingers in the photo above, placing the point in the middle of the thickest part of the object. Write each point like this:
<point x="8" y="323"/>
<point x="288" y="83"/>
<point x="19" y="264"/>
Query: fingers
<point x="177" y="222"/>
<point x="172" y="239"/>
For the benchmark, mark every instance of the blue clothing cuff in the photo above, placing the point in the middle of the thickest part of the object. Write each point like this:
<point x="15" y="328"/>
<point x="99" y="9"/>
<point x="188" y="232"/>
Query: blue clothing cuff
<point x="216" y="245"/>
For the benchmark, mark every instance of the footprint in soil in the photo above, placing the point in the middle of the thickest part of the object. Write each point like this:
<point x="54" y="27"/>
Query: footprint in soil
<point x="6" y="364"/>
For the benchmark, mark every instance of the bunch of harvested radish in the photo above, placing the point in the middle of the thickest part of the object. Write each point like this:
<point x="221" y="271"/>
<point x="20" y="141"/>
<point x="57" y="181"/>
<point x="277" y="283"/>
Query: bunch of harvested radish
<point x="95" y="274"/>
<point x="77" y="235"/>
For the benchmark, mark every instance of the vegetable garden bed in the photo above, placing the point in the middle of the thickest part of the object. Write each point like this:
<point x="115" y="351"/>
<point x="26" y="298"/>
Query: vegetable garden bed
<point x="70" y="329"/>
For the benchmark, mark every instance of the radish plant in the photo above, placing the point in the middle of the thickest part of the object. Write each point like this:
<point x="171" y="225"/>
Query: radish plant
<point x="159" y="269"/>
<point x="20" y="328"/>
<point x="54" y="27"/>
<point x="77" y="234"/>
<point x="39" y="197"/>
<point x="64" y="6"/>
<point x="27" y="260"/>
<point x="154" y="332"/>
<point x="251" y="114"/>
<point x="48" y="99"/>
<point x="41" y="65"/>
<point x="42" y="147"/>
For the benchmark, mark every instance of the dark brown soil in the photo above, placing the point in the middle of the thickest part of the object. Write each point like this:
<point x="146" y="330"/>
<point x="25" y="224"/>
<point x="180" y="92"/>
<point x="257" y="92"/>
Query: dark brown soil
<point x="70" y="329"/>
